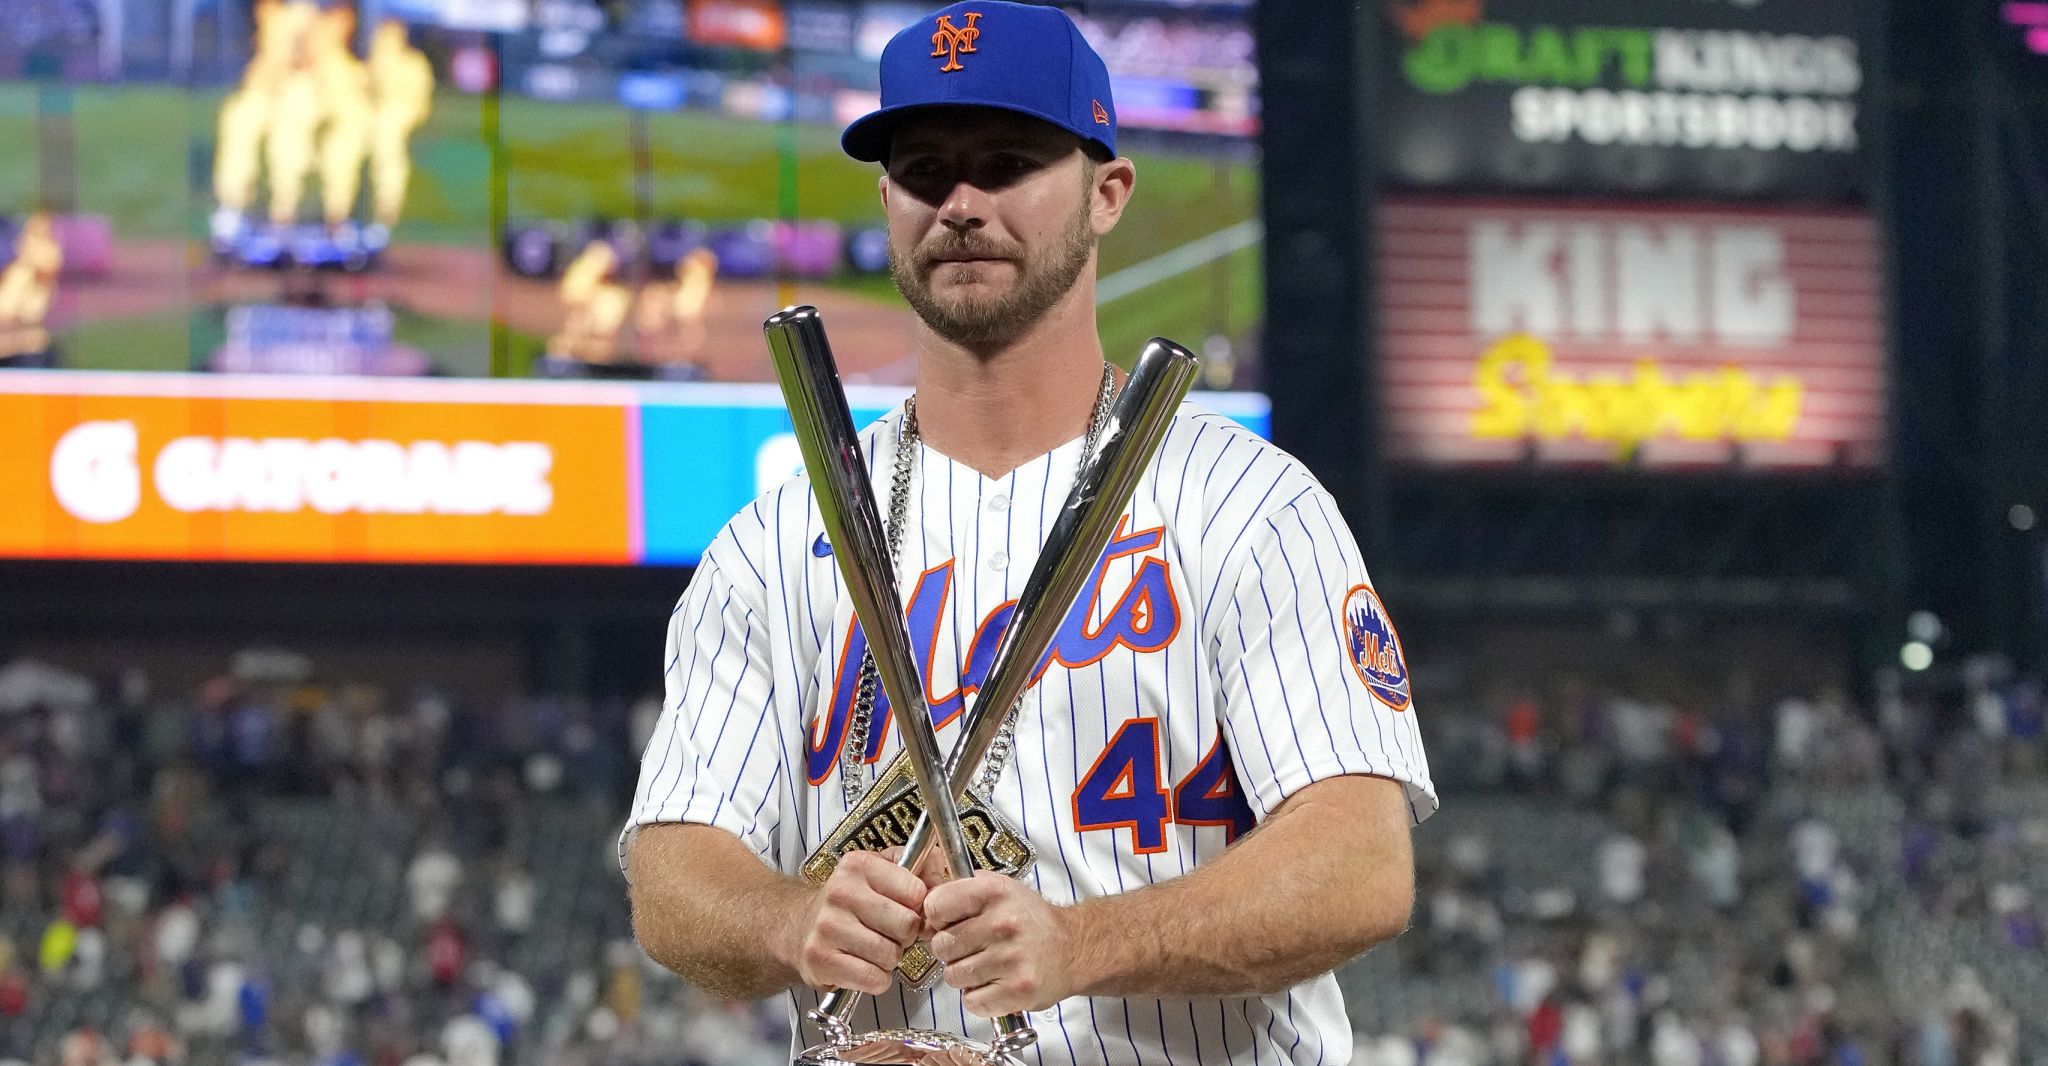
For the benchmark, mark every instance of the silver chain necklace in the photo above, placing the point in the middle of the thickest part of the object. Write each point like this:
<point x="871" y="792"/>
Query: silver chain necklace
<point x="852" y="778"/>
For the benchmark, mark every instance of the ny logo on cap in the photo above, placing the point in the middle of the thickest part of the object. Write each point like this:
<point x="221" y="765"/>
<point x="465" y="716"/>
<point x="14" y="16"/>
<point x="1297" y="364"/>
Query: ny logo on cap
<point x="954" y="41"/>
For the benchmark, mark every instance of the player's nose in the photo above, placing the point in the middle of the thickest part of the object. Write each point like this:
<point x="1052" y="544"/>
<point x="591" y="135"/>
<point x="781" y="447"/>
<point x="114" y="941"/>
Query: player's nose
<point x="964" y="208"/>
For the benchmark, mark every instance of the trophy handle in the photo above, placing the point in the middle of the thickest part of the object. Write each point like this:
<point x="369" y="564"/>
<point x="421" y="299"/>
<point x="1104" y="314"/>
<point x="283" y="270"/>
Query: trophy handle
<point x="1138" y="423"/>
<point x="840" y="479"/>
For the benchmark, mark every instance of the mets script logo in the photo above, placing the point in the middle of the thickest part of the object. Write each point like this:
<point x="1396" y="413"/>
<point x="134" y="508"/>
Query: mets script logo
<point x="1374" y="647"/>
<point x="1144" y="618"/>
<point x="955" y="41"/>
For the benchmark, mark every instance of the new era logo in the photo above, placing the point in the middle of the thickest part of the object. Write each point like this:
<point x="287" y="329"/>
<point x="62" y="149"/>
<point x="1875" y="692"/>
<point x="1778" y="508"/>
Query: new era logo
<point x="1101" y="114"/>
<point x="952" y="41"/>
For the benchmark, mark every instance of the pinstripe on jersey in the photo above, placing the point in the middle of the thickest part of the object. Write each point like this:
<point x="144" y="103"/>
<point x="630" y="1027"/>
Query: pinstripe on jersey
<point x="1248" y="647"/>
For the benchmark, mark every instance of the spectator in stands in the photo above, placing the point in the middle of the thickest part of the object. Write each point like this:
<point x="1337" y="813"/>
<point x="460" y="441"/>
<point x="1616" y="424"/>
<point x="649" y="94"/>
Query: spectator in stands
<point x="1622" y="860"/>
<point x="1797" y="724"/>
<point x="431" y="880"/>
<point x="513" y="901"/>
<point x="1525" y="739"/>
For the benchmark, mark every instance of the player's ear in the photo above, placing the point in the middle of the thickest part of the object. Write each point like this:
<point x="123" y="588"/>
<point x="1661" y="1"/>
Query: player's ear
<point x="1110" y="192"/>
<point x="882" y="187"/>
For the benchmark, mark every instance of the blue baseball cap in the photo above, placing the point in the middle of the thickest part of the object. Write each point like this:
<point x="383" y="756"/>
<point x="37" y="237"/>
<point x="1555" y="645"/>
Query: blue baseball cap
<point x="990" y="53"/>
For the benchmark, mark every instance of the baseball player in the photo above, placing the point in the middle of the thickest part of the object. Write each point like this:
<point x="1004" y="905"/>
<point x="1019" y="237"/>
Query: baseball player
<point x="1218" y="767"/>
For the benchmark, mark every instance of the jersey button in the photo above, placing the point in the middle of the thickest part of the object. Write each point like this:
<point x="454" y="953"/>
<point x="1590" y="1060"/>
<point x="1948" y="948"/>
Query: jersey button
<point x="999" y="503"/>
<point x="999" y="561"/>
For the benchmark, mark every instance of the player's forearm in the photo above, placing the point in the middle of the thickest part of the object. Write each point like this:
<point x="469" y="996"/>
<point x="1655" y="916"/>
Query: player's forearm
<point x="1320" y="882"/>
<point x="710" y="910"/>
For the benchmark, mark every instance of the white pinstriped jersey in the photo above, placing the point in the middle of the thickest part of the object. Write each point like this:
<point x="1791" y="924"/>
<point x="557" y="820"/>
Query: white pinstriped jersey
<point x="1231" y="652"/>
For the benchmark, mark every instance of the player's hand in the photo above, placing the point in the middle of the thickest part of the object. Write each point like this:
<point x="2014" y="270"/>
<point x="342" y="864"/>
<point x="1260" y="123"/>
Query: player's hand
<point x="857" y="924"/>
<point x="931" y="869"/>
<point x="1005" y="947"/>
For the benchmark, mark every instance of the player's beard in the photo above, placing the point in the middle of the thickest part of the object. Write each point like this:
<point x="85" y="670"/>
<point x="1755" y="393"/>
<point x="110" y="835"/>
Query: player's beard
<point x="976" y="322"/>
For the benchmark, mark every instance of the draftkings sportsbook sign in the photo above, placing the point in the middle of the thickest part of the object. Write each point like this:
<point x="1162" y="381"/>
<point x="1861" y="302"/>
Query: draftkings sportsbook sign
<point x="1560" y="334"/>
<point x="1715" y="98"/>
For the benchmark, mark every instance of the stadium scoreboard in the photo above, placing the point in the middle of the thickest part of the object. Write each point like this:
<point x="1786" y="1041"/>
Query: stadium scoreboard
<point x="1627" y="234"/>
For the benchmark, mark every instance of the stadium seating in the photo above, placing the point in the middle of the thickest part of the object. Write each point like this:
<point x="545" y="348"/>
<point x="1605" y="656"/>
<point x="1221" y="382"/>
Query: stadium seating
<point x="301" y="873"/>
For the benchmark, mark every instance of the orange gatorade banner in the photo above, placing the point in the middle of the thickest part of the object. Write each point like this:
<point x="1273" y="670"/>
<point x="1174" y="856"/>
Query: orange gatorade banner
<point x="127" y="467"/>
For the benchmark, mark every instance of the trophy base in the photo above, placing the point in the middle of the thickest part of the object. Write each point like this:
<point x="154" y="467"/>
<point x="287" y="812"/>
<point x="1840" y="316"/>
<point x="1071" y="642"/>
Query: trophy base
<point x="904" y="1047"/>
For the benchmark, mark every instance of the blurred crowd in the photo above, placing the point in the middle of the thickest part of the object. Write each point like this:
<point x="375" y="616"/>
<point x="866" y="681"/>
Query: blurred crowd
<point x="171" y="896"/>
<point x="263" y="867"/>
<point x="1726" y="881"/>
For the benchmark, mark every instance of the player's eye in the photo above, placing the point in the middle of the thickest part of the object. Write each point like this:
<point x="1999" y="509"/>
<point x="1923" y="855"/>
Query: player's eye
<point x="917" y="168"/>
<point x="1006" y="168"/>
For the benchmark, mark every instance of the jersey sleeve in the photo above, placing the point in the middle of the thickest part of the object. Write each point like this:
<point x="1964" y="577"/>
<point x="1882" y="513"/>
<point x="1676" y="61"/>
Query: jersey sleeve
<point x="713" y="758"/>
<point x="1314" y="680"/>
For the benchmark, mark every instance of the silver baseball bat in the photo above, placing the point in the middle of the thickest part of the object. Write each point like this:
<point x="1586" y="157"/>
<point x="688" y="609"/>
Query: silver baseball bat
<point x="1123" y="450"/>
<point x="846" y="501"/>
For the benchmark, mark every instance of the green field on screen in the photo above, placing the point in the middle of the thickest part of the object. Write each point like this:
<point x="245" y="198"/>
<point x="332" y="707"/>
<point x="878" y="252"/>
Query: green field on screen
<point x="142" y="157"/>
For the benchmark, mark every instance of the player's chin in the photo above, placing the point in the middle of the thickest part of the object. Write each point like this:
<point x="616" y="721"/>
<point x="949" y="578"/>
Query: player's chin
<point x="972" y="274"/>
<point x="971" y="304"/>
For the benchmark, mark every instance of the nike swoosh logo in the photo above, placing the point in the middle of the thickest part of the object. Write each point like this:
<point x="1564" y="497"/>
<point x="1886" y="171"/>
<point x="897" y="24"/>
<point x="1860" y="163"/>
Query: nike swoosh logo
<point x="821" y="547"/>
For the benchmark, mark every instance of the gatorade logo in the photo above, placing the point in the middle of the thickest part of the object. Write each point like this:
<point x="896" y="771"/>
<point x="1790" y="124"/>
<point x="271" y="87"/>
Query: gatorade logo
<point x="96" y="475"/>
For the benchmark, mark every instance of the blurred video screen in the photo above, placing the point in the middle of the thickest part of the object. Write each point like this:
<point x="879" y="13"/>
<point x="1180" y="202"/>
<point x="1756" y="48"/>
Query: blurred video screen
<point x="562" y="188"/>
